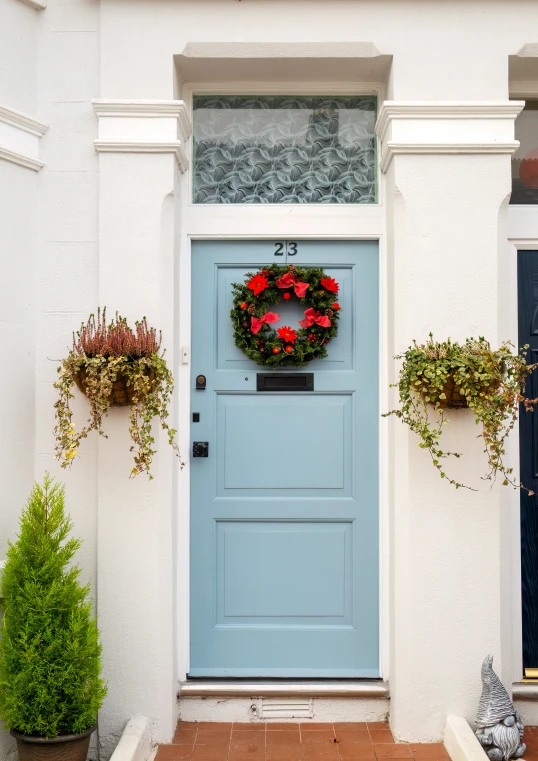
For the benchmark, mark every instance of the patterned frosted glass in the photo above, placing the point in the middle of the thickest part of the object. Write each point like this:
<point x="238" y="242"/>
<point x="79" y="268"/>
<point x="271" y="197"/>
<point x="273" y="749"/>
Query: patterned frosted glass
<point x="284" y="149"/>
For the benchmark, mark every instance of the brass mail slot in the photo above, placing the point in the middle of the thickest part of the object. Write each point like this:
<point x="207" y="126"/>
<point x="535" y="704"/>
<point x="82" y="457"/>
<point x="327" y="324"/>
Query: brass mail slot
<point x="284" y="381"/>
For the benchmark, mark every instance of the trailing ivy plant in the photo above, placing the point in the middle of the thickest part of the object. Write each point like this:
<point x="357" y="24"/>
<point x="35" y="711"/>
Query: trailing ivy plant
<point x="114" y="365"/>
<point x="444" y="375"/>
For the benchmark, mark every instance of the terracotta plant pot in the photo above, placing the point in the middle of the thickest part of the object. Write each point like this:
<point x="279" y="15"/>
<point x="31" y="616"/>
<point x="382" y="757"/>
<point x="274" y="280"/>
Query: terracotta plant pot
<point x="122" y="394"/>
<point x="63" y="748"/>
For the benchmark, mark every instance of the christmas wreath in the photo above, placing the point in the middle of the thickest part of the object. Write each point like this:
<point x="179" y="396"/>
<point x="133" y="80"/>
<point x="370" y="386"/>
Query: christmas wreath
<point x="285" y="346"/>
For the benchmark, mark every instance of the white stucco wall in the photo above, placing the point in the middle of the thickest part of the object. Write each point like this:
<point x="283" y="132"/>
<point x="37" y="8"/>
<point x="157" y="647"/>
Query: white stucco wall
<point x="104" y="231"/>
<point x="18" y="225"/>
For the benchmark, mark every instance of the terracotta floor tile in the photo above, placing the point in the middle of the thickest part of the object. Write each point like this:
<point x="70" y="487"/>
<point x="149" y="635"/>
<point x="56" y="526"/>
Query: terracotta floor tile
<point x="251" y="728"/>
<point x="184" y="737"/>
<point x="173" y="753"/>
<point x="428" y="750"/>
<point x="222" y="725"/>
<point x="380" y="736"/>
<point x="315" y="726"/>
<point x="359" y="726"/>
<point x="353" y="736"/>
<point x="311" y="738"/>
<point x="320" y="752"/>
<point x="392" y="750"/>
<point x="249" y="754"/>
<point x="250" y="743"/>
<point x="278" y="726"/>
<point x="350" y="751"/>
<point x="212" y="737"/>
<point x="378" y="725"/>
<point x="284" y="754"/>
<point x="282" y="738"/>
<point x="209" y="752"/>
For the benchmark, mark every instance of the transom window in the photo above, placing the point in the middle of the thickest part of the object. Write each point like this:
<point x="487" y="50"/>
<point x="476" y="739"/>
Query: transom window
<point x="525" y="159"/>
<point x="284" y="149"/>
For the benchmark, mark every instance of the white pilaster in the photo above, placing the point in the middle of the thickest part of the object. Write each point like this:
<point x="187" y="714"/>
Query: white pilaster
<point x="448" y="183"/>
<point x="137" y="277"/>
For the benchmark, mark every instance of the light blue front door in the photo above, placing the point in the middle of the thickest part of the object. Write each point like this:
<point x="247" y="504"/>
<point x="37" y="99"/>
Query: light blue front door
<point x="284" y="510"/>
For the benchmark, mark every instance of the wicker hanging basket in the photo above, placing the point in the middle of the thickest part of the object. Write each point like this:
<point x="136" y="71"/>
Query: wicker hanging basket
<point x="122" y="394"/>
<point x="454" y="399"/>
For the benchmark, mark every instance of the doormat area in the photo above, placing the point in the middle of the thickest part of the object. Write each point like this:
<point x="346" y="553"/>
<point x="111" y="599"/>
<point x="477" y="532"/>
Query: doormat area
<point x="207" y="741"/>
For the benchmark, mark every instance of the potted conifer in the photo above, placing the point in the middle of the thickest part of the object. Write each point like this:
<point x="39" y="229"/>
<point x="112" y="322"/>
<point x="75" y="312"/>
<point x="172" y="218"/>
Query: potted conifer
<point x="50" y="655"/>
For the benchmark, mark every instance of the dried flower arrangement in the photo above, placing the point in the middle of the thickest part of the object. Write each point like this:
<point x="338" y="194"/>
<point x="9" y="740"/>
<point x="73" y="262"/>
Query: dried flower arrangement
<point x="114" y="365"/>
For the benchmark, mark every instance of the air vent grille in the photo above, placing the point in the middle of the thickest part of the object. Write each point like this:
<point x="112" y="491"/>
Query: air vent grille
<point x="286" y="708"/>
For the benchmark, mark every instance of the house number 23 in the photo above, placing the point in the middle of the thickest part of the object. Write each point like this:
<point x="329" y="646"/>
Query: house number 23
<point x="288" y="247"/>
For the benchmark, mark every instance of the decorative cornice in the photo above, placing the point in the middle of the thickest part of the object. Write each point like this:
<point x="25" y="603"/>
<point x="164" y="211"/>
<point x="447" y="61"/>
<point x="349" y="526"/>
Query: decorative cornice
<point x="394" y="149"/>
<point x="19" y="138"/>
<point x="146" y="109"/>
<point x="22" y="121"/>
<point x="467" y="127"/>
<point x="157" y="146"/>
<point x="39" y="5"/>
<point x="445" y="110"/>
<point x="20" y="159"/>
<point x="143" y="126"/>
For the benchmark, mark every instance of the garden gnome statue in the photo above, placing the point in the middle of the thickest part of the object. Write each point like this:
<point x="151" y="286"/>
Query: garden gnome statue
<point x="498" y="725"/>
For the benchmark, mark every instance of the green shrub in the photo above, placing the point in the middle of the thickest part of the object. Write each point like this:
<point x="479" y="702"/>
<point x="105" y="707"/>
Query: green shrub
<point x="50" y="655"/>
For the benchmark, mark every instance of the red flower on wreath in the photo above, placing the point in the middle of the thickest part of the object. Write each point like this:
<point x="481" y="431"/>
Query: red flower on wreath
<point x="330" y="284"/>
<point x="287" y="334"/>
<point x="336" y="306"/>
<point x="258" y="283"/>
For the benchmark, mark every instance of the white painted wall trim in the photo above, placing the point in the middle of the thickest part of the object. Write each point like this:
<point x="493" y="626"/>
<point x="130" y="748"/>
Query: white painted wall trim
<point x="143" y="126"/>
<point x="416" y="127"/>
<point x="39" y="5"/>
<point x="22" y="121"/>
<point x="135" y="742"/>
<point x="19" y="138"/>
<point x="460" y="740"/>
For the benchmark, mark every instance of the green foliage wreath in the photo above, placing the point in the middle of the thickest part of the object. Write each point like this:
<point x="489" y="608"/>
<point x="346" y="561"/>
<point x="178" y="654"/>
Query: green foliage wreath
<point x="285" y="346"/>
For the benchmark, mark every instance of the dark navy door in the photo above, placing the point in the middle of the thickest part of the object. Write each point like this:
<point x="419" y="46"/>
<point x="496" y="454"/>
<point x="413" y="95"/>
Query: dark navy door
<point x="284" y="509"/>
<point x="528" y="444"/>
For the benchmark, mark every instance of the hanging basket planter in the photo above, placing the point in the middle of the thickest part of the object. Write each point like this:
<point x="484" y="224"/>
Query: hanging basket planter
<point x="448" y="397"/>
<point x="438" y="376"/>
<point x="115" y="366"/>
<point x="122" y="393"/>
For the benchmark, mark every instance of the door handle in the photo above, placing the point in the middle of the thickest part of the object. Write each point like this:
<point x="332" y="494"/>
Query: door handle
<point x="200" y="449"/>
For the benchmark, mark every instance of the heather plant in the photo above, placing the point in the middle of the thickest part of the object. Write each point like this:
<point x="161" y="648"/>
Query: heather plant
<point x="114" y="365"/>
<point x="50" y="655"/>
<point x="490" y="382"/>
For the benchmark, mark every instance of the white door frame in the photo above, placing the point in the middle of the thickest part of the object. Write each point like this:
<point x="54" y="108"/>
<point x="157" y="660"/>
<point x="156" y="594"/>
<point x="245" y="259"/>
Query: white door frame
<point x="308" y="221"/>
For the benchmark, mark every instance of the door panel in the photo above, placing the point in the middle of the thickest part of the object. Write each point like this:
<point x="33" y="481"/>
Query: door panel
<point x="284" y="510"/>
<point x="528" y="445"/>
